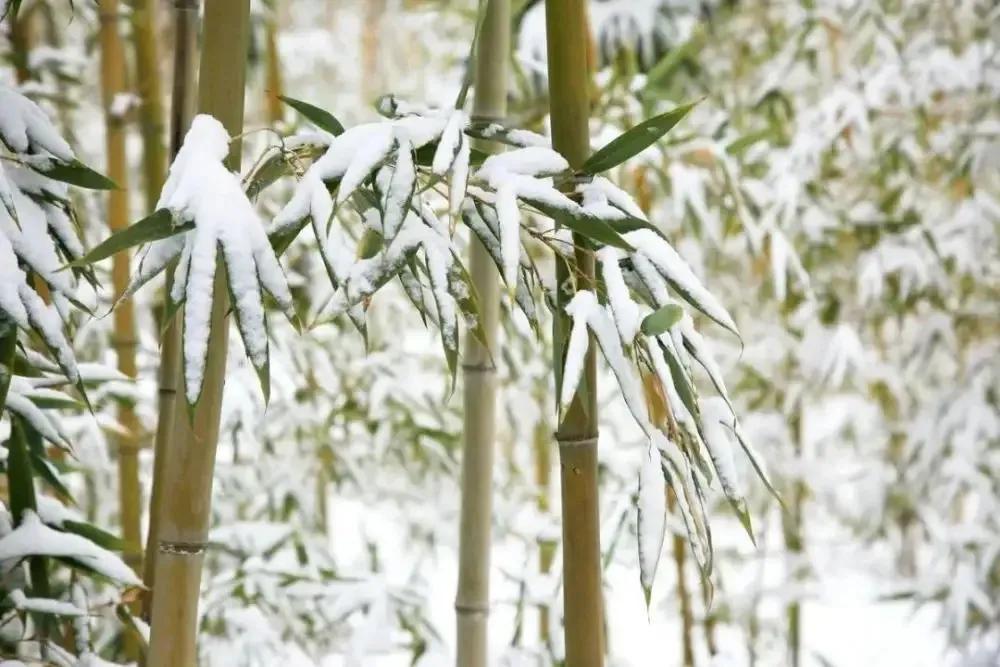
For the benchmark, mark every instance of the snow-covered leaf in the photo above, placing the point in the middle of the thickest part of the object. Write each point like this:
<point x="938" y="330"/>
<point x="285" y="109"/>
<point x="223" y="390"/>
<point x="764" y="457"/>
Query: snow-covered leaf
<point x="652" y="510"/>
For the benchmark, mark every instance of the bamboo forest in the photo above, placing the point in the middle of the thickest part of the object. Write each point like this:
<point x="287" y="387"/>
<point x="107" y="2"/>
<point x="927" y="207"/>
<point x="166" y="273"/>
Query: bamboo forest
<point x="500" y="333"/>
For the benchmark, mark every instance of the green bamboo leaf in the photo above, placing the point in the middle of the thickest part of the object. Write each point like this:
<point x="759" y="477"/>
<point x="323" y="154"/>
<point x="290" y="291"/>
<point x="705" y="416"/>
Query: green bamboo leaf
<point x="318" y="117"/>
<point x="74" y="173"/>
<point x="159" y="225"/>
<point x="634" y="140"/>
<point x="658" y="322"/>
<point x="20" y="479"/>
<point x="100" y="537"/>
<point x="11" y="10"/>
<point x="580" y="222"/>
<point x="682" y="382"/>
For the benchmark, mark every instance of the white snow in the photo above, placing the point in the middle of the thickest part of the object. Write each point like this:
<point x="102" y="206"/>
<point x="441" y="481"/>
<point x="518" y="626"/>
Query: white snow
<point x="43" y="605"/>
<point x="624" y="309"/>
<point x="666" y="260"/>
<point x="652" y="509"/>
<point x="450" y="142"/>
<point x="34" y="538"/>
<point x="201" y="190"/>
<point x="25" y="128"/>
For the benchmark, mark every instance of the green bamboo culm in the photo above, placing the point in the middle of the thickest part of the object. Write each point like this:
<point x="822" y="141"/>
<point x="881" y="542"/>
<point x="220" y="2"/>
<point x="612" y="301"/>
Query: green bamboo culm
<point x="472" y="603"/>
<point x="185" y="509"/>
<point x="576" y="435"/>
<point x="185" y="13"/>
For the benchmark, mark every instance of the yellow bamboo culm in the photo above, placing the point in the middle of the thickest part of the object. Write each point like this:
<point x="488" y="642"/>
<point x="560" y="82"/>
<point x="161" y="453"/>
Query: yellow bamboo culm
<point x="583" y="608"/>
<point x="124" y="337"/>
<point x="185" y="57"/>
<point x="185" y="501"/>
<point x="151" y="121"/>
<point x="472" y="603"/>
<point x="273" y="83"/>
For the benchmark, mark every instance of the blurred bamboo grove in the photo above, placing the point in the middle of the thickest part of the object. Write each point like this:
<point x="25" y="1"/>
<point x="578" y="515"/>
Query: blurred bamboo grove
<point x="607" y="333"/>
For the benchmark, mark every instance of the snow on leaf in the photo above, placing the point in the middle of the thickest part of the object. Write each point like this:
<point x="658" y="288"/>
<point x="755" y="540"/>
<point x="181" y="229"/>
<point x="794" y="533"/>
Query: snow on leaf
<point x="616" y="196"/>
<point x="35" y="416"/>
<point x="399" y="192"/>
<point x="681" y="480"/>
<point x="700" y="350"/>
<point x="43" y="605"/>
<point x="533" y="161"/>
<point x="576" y="351"/>
<point x="365" y="160"/>
<point x="459" y="176"/>
<point x="625" y="310"/>
<point x="450" y="142"/>
<point x="584" y="307"/>
<point x="680" y="276"/>
<point x="25" y="128"/>
<point x="509" y="218"/>
<point x="33" y="538"/>
<point x="651" y="508"/>
<point x="200" y="190"/>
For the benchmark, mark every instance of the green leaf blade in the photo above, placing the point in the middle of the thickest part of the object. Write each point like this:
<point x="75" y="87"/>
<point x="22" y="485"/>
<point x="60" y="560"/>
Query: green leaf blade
<point x="319" y="117"/>
<point x="635" y="140"/>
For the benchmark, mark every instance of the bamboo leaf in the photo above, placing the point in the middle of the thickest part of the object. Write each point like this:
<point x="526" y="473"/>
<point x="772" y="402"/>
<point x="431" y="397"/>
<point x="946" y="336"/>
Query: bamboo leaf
<point x="100" y="537"/>
<point x="74" y="173"/>
<point x="580" y="222"/>
<point x="318" y="117"/>
<point x="159" y="225"/>
<point x="635" y="140"/>
<point x="651" y="506"/>
<point x="662" y="319"/>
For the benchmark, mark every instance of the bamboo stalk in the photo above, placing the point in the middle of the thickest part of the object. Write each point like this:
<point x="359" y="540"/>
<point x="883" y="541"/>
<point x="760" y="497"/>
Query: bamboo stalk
<point x="273" y="84"/>
<point x="546" y="546"/>
<point x="472" y="603"/>
<point x="186" y="510"/>
<point x="124" y="338"/>
<point x="181" y="111"/>
<point x="679" y="547"/>
<point x="151" y="121"/>
<point x="583" y="612"/>
<point x="792" y="531"/>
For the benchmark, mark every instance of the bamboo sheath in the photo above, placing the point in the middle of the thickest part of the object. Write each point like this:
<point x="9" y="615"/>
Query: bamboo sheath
<point x="124" y="337"/>
<point x="472" y="602"/>
<point x="185" y="500"/>
<point x="181" y="110"/>
<point x="583" y="613"/>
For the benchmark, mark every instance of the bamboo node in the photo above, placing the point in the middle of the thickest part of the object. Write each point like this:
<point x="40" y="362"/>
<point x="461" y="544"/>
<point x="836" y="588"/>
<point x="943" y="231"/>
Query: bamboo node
<point x="472" y="608"/>
<point x="488" y="117"/>
<point x="486" y="367"/>
<point x="577" y="442"/>
<point x="182" y="548"/>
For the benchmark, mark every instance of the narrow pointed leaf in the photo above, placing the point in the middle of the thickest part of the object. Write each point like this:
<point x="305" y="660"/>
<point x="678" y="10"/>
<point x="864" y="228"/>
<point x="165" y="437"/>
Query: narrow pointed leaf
<point x="635" y="140"/>
<point x="322" y="119"/>
<point x="74" y="173"/>
<point x="159" y="225"/>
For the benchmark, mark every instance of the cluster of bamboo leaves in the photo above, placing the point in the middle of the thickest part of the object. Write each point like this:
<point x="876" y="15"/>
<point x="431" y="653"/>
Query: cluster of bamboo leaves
<point x="40" y="380"/>
<point x="399" y="175"/>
